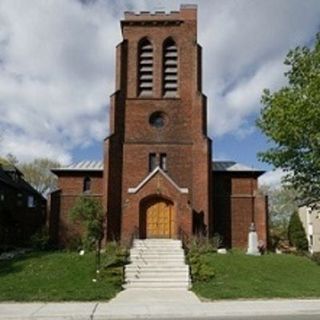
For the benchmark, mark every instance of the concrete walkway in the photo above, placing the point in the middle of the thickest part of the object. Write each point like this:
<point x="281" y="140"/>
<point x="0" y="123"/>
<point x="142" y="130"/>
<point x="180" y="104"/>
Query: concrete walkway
<point x="158" y="304"/>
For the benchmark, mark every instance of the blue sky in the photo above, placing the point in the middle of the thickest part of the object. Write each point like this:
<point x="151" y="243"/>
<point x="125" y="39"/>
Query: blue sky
<point x="57" y="71"/>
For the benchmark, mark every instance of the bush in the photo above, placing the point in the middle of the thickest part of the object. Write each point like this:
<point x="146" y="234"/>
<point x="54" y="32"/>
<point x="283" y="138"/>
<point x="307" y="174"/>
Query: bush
<point x="316" y="257"/>
<point x="296" y="233"/>
<point x="200" y="269"/>
<point x="74" y="243"/>
<point x="117" y="257"/>
<point x="201" y="244"/>
<point x="40" y="240"/>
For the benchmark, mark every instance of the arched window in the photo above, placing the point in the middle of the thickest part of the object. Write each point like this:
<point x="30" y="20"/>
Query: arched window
<point x="170" y="68"/>
<point x="86" y="184"/>
<point x="145" y="74"/>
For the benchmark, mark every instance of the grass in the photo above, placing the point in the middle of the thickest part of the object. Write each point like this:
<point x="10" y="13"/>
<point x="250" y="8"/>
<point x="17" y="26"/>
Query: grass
<point x="268" y="276"/>
<point x="59" y="276"/>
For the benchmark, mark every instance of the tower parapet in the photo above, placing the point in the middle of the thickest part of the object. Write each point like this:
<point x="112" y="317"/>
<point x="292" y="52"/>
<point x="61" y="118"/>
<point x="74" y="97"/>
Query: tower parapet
<point x="187" y="12"/>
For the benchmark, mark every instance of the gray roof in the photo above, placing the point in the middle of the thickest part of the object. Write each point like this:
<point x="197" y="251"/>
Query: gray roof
<point x="82" y="166"/>
<point x="217" y="166"/>
<point x="232" y="166"/>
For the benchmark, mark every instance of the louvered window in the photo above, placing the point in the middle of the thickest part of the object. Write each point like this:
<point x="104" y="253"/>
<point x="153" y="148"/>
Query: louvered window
<point x="145" y="68"/>
<point x="170" y="69"/>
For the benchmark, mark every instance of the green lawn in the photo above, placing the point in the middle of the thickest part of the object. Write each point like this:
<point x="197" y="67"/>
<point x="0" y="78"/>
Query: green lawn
<point x="268" y="276"/>
<point x="58" y="276"/>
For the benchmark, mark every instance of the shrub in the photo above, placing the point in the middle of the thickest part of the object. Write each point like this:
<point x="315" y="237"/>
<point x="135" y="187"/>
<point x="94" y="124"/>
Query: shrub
<point x="88" y="211"/>
<point x="40" y="240"/>
<point x="296" y="233"/>
<point x="74" y="243"/>
<point x="201" y="244"/>
<point x="316" y="257"/>
<point x="200" y="269"/>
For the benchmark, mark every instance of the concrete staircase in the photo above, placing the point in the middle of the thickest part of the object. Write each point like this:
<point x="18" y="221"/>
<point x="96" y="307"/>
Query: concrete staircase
<point x="157" y="264"/>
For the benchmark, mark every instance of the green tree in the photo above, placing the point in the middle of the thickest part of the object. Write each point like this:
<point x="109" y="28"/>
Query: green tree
<point x="290" y="119"/>
<point x="88" y="210"/>
<point x="282" y="203"/>
<point x="38" y="174"/>
<point x="296" y="233"/>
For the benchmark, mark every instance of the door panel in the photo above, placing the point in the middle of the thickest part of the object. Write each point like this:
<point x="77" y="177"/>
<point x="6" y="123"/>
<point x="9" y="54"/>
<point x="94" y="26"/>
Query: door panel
<point x="159" y="216"/>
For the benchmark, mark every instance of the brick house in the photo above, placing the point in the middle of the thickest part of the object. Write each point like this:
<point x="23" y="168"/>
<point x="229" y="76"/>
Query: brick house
<point x="157" y="178"/>
<point x="22" y="208"/>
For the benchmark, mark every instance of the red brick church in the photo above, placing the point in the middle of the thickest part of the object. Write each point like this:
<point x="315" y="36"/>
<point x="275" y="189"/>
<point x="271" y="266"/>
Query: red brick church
<point x="157" y="178"/>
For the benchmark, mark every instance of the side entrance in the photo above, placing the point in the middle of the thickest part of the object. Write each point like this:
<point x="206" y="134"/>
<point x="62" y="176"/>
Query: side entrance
<point x="157" y="216"/>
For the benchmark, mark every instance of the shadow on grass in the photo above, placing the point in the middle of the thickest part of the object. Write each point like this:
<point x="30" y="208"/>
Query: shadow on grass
<point x="115" y="264"/>
<point x="15" y="264"/>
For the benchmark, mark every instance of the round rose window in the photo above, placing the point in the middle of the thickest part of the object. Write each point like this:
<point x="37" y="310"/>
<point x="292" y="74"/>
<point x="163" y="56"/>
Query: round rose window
<point x="158" y="119"/>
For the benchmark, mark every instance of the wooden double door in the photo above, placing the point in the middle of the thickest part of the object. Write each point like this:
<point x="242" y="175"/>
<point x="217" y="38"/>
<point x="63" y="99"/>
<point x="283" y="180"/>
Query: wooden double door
<point x="159" y="217"/>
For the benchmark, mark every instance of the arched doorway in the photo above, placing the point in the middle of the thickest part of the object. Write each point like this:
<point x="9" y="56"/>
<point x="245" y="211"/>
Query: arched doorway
<point x="157" y="218"/>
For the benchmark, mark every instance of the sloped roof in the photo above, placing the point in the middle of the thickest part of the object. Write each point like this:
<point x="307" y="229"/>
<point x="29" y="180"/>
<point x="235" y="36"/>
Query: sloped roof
<point x="232" y="166"/>
<point x="19" y="184"/>
<point x="217" y="166"/>
<point x="81" y="166"/>
<point x="5" y="178"/>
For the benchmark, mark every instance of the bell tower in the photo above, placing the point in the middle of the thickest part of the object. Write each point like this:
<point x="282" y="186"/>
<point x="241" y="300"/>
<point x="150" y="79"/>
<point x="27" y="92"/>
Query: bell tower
<point x="157" y="159"/>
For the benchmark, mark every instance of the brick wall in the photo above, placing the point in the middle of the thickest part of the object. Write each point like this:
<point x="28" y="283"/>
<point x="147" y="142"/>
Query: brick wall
<point x="183" y="139"/>
<point x="62" y="230"/>
<point x="235" y="205"/>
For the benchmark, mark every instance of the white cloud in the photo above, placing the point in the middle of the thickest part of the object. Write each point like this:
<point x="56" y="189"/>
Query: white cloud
<point x="57" y="65"/>
<point x="244" y="46"/>
<point x="272" y="178"/>
<point x="56" y="73"/>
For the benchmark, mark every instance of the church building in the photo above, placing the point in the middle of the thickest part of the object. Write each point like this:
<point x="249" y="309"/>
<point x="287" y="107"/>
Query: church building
<point x="157" y="178"/>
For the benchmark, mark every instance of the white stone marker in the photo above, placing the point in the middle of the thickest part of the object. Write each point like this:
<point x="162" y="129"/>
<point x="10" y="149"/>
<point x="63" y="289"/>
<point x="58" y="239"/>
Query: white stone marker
<point x="253" y="241"/>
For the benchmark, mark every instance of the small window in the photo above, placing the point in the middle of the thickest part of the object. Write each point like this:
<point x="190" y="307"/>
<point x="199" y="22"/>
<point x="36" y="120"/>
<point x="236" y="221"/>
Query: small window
<point x="86" y="184"/>
<point x="31" y="202"/>
<point x="19" y="199"/>
<point x="152" y="161"/>
<point x="311" y="240"/>
<point x="163" y="161"/>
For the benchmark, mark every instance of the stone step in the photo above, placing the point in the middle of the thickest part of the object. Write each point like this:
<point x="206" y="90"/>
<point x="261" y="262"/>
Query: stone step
<point x="167" y="243"/>
<point x="151" y="254"/>
<point x="157" y="245"/>
<point x="154" y="285"/>
<point x="157" y="263"/>
<point x="156" y="280"/>
<point x="172" y="262"/>
<point x="167" y="240"/>
<point x="156" y="273"/>
<point x="157" y="250"/>
<point x="178" y="268"/>
<point x="165" y="277"/>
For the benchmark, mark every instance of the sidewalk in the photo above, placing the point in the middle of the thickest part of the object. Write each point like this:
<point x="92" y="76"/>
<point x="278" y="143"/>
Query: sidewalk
<point x="155" y="304"/>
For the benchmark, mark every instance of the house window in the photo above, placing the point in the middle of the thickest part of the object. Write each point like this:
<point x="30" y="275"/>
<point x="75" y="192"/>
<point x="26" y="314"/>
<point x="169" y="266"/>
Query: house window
<point x="31" y="202"/>
<point x="19" y="199"/>
<point x="152" y="161"/>
<point x="86" y="184"/>
<point x="170" y="68"/>
<point x="145" y="72"/>
<point x="311" y="240"/>
<point x="163" y="161"/>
